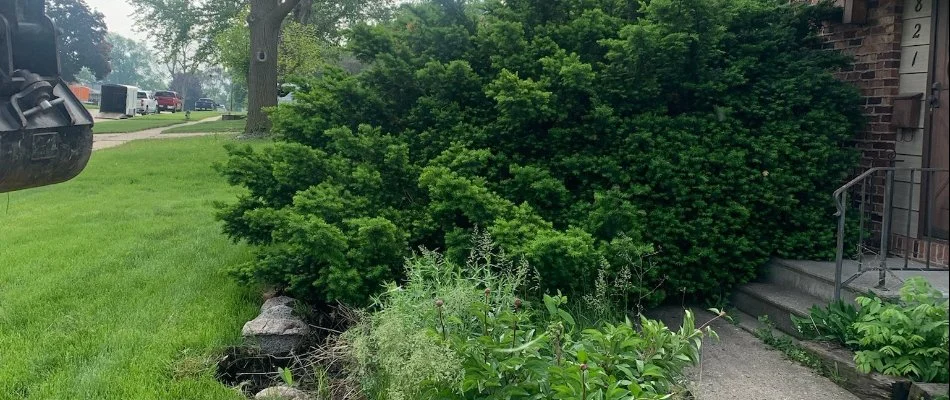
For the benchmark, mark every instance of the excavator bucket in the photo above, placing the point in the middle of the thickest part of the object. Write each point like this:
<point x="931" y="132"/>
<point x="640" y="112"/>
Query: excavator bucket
<point x="45" y="132"/>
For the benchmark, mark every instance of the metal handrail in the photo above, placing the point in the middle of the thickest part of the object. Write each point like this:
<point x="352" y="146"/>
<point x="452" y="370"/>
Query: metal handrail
<point x="840" y="197"/>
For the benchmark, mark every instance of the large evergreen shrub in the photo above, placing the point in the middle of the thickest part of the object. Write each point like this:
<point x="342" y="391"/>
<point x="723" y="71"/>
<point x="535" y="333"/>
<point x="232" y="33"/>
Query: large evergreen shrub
<point x="713" y="129"/>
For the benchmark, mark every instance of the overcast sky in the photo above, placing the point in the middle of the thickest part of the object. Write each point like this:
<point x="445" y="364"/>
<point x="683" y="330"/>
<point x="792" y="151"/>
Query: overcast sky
<point x="118" y="17"/>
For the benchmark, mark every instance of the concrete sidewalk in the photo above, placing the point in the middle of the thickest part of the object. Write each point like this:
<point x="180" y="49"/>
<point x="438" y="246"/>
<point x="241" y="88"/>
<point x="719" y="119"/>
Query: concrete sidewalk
<point x="740" y="366"/>
<point x="109" y="140"/>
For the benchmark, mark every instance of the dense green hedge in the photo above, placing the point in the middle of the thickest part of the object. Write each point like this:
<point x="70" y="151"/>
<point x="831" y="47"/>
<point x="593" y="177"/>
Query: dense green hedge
<point x="569" y="130"/>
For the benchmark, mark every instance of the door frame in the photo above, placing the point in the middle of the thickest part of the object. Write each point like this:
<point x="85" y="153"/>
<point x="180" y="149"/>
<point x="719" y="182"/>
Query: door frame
<point x="939" y="8"/>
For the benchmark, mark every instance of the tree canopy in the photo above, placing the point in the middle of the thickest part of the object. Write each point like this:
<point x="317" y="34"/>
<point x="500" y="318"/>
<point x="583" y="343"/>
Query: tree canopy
<point x="133" y="64"/>
<point x="303" y="51"/>
<point x="82" y="36"/>
<point x="183" y="31"/>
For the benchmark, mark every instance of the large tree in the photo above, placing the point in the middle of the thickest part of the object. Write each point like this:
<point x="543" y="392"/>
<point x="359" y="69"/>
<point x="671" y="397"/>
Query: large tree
<point x="82" y="38"/>
<point x="198" y="25"/>
<point x="264" y="23"/>
<point x="183" y="30"/>
<point x="133" y="64"/>
<point x="303" y="50"/>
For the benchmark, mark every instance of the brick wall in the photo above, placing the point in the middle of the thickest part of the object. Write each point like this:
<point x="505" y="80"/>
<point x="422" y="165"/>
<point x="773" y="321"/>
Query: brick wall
<point x="876" y="48"/>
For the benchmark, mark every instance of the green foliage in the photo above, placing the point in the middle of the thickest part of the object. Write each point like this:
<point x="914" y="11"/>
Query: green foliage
<point x="302" y="50"/>
<point x="834" y="323"/>
<point x="286" y="375"/>
<point x="149" y="206"/>
<point x="558" y="128"/>
<point x="83" y="38"/>
<point x="908" y="338"/>
<point x="461" y="332"/>
<point x="132" y="64"/>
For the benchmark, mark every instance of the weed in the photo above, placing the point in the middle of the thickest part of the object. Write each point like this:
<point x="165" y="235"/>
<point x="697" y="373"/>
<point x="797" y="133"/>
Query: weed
<point x="793" y="351"/>
<point x="286" y="375"/>
<point x="482" y="340"/>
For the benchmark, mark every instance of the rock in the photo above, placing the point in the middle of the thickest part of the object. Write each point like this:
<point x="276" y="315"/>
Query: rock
<point x="928" y="391"/>
<point x="276" y="331"/>
<point x="871" y="386"/>
<point x="278" y="301"/>
<point x="281" y="393"/>
<point x="279" y="311"/>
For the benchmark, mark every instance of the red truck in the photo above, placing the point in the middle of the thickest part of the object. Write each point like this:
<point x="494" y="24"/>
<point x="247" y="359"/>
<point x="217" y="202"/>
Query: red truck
<point x="169" y="101"/>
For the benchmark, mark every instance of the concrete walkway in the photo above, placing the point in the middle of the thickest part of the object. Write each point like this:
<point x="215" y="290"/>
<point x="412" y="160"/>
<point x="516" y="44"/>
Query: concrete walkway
<point x="740" y="366"/>
<point x="109" y="140"/>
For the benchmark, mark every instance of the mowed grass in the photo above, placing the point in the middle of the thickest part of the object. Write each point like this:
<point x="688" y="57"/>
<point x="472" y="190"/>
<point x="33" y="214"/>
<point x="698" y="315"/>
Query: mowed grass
<point x="113" y="285"/>
<point x="143" y="122"/>
<point x="210" y="127"/>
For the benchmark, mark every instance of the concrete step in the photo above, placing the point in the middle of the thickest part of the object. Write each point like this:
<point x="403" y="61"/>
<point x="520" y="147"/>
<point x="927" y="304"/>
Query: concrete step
<point x="793" y="275"/>
<point x="776" y="301"/>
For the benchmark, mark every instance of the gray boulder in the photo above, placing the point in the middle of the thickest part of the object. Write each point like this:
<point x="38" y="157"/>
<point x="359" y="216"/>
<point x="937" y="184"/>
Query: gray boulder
<point x="278" y="301"/>
<point x="281" y="393"/>
<point x="279" y="311"/>
<point x="276" y="331"/>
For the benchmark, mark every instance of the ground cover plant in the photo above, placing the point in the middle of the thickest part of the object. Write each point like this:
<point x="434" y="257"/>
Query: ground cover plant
<point x="906" y="338"/>
<point x="232" y="126"/>
<point x="111" y="285"/>
<point x="468" y="331"/>
<point x="143" y="122"/>
<point x="571" y="131"/>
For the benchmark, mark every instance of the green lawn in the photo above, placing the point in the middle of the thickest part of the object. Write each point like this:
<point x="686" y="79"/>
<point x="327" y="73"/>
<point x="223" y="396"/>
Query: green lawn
<point x="112" y="286"/>
<point x="94" y="108"/>
<point x="148" y="122"/>
<point x="211" y="127"/>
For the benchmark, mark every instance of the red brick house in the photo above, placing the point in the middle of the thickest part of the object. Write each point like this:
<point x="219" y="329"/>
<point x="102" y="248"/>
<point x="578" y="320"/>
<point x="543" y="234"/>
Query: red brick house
<point x="900" y="66"/>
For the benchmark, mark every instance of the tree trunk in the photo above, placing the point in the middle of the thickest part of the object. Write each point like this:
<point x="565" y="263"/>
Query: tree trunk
<point x="264" y="22"/>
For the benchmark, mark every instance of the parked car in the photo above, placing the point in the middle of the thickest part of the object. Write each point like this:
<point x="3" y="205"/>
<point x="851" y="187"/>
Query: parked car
<point x="204" y="104"/>
<point x="169" y="101"/>
<point x="146" y="103"/>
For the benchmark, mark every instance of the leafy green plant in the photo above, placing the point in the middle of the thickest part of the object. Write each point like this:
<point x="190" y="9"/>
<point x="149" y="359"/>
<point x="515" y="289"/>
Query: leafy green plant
<point x="462" y="332"/>
<point x="286" y="375"/>
<point x="559" y="128"/>
<point x="909" y="338"/>
<point x="834" y="323"/>
<point x="904" y="338"/>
